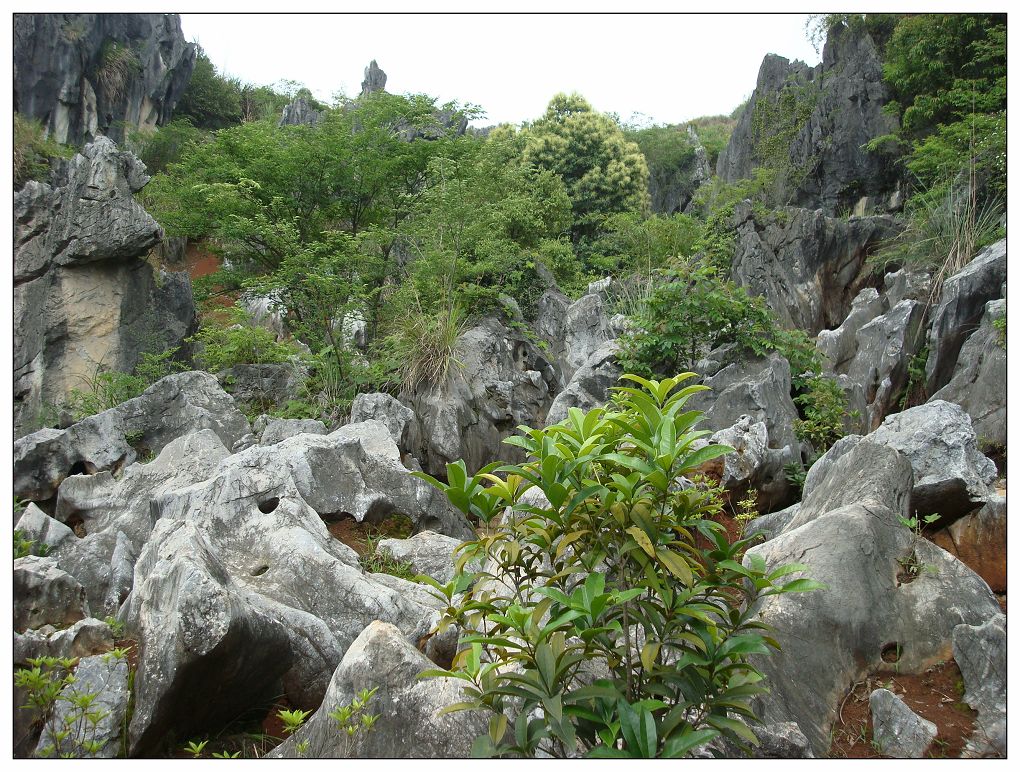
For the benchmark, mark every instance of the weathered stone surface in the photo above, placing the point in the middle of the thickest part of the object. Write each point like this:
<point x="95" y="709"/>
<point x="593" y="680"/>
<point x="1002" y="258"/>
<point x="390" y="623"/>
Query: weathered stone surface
<point x="36" y="525"/>
<point x="116" y="514"/>
<point x="428" y="552"/>
<point x="898" y="731"/>
<point x="409" y="724"/>
<point x="844" y="96"/>
<point x="839" y="346"/>
<point x="589" y="387"/>
<point x="502" y="381"/>
<point x="85" y="637"/>
<point x="756" y="387"/>
<point x="83" y="300"/>
<point x="749" y="441"/>
<point x="961" y="306"/>
<point x="82" y="74"/>
<point x="978" y="384"/>
<point x="979" y="540"/>
<point x="206" y="653"/>
<point x="266" y="311"/>
<point x="172" y="407"/>
<point x="803" y="263"/>
<point x="980" y="652"/>
<point x="390" y="412"/>
<point x="951" y="477"/>
<point x="848" y="532"/>
<point x="107" y="677"/>
<point x="44" y="595"/>
<point x="375" y="79"/>
<point x="300" y="113"/>
<point x="280" y="429"/>
<point x="585" y="329"/>
<point x="266" y="385"/>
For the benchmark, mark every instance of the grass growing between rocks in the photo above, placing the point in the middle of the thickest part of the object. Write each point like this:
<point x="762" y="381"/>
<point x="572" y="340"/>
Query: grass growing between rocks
<point x="364" y="539"/>
<point x="935" y="695"/>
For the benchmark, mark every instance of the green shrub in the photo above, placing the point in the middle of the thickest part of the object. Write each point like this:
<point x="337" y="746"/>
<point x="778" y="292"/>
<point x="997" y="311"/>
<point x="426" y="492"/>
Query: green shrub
<point x="824" y="408"/>
<point x="421" y="348"/>
<point x="106" y="389"/>
<point x="238" y="342"/>
<point x="616" y="620"/>
<point x="115" y="67"/>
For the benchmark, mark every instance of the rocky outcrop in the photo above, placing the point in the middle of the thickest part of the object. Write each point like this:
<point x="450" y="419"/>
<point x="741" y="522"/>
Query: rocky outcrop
<point x="951" y="476"/>
<point x="375" y="79"/>
<point x="979" y="540"/>
<point x="804" y="263"/>
<point x="872" y="616"/>
<point x="396" y="417"/>
<point x="177" y="405"/>
<point x="85" y="74"/>
<point x="898" y="732"/>
<point x="83" y="300"/>
<point x="266" y="386"/>
<point x="670" y="188"/>
<point x="428" y="553"/>
<point x="960" y="308"/>
<point x="831" y="112"/>
<point x="978" y="384"/>
<point x="980" y="651"/>
<point x="300" y="112"/>
<point x="45" y="595"/>
<point x="499" y="381"/>
<point x="589" y="387"/>
<point x="410" y="724"/>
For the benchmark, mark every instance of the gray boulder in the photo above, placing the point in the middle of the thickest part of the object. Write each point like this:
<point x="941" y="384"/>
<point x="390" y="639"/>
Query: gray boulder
<point x="409" y="723"/>
<point x="951" y="476"/>
<point x="45" y="595"/>
<point x="179" y="404"/>
<point x="980" y="652"/>
<point x="84" y="300"/>
<point x="839" y="346"/>
<point x="106" y="676"/>
<point x="280" y="429"/>
<point x="500" y="381"/>
<point x="395" y="416"/>
<point x="978" y="384"/>
<point x="872" y="615"/>
<point x="375" y="79"/>
<point x="116" y="514"/>
<point x="266" y="386"/>
<point x="428" y="552"/>
<point x="82" y="639"/>
<point x="36" y="525"/>
<point x="585" y="329"/>
<point x="898" y="731"/>
<point x="589" y="387"/>
<point x="300" y="113"/>
<point x="960" y="308"/>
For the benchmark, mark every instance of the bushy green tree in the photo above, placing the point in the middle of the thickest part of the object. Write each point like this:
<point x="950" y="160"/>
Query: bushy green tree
<point x="211" y="101"/>
<point x="613" y="618"/>
<point x="604" y="173"/>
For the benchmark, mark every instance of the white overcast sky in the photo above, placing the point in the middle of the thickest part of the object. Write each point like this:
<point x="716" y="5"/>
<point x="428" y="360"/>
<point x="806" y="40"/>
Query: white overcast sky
<point x="668" y="67"/>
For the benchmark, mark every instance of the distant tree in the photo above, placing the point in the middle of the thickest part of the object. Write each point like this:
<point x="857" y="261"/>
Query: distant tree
<point x="211" y="101"/>
<point x="604" y="173"/>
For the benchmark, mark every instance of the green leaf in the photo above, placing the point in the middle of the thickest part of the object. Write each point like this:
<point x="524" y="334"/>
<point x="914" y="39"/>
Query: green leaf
<point x="642" y="539"/>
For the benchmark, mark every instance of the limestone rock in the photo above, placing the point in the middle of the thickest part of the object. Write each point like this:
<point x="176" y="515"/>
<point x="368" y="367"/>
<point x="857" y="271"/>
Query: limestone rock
<point x="83" y="300"/>
<point x="503" y="380"/>
<point x="280" y="429"/>
<point x="951" y="477"/>
<point x="172" y="407"/>
<point x="848" y="532"/>
<point x="898" y="731"/>
<point x="300" y="113"/>
<point x="107" y="677"/>
<point x="804" y="263"/>
<point x="428" y="552"/>
<point x="83" y="74"/>
<point x="43" y="594"/>
<point x="409" y="724"/>
<point x="267" y="385"/>
<point x="978" y="384"/>
<point x="396" y="417"/>
<point x="961" y="306"/>
<point x="844" y="96"/>
<point x="82" y="639"/>
<point x="589" y="386"/>
<point x="980" y="651"/>
<point x="375" y="79"/>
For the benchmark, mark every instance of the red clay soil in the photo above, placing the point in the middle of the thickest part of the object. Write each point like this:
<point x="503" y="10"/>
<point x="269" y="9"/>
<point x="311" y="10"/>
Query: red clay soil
<point x="200" y="261"/>
<point x="934" y="695"/>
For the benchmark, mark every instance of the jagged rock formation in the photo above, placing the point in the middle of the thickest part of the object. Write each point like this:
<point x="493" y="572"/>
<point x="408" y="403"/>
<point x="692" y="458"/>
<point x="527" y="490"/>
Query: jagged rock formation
<point x="300" y="113"/>
<point x="83" y="298"/>
<point x="375" y="79"/>
<point x="85" y="74"/>
<point x="806" y="265"/>
<point x="841" y="100"/>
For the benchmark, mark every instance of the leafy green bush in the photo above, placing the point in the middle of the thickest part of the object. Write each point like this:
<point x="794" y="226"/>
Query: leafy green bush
<point x="824" y="407"/>
<point x="615" y="620"/>
<point x="106" y="389"/>
<point x="239" y="342"/>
